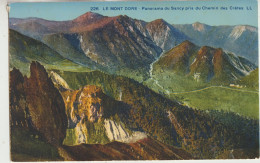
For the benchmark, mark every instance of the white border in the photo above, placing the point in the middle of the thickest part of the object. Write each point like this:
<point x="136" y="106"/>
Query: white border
<point x="4" y="87"/>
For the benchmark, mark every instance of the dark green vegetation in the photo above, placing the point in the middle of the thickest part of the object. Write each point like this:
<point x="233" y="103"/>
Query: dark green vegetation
<point x="30" y="146"/>
<point x="251" y="81"/>
<point x="196" y="131"/>
<point x="219" y="97"/>
<point x="38" y="119"/>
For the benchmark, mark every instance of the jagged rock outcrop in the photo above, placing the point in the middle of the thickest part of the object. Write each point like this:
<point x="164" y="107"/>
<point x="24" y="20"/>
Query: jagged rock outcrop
<point x="59" y="82"/>
<point x="45" y="105"/>
<point x="18" y="106"/>
<point x="115" y="131"/>
<point x="37" y="116"/>
<point x="89" y="111"/>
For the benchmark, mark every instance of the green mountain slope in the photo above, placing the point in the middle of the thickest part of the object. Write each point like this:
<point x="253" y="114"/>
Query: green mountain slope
<point x="251" y="81"/>
<point x="23" y="50"/>
<point x="167" y="121"/>
<point x="38" y="124"/>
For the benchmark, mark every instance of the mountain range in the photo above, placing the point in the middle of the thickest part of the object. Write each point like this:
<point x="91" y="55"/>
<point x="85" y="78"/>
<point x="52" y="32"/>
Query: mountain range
<point x="239" y="39"/>
<point x="127" y="46"/>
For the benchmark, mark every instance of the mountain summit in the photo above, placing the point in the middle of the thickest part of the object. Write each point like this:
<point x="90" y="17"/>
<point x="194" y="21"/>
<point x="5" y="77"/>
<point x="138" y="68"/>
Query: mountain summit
<point x="88" y="16"/>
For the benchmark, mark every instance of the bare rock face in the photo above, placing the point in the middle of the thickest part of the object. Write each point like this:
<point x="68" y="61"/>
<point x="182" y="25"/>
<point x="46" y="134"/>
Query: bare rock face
<point x="84" y="103"/>
<point x="58" y="81"/>
<point x="45" y="105"/>
<point x="90" y="103"/>
<point x="18" y="106"/>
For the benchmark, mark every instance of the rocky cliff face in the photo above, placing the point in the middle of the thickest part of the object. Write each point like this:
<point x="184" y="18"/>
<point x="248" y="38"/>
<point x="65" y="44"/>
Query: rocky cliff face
<point x="59" y="82"/>
<point x="90" y="111"/>
<point x="37" y="116"/>
<point x="164" y="35"/>
<point x="45" y="105"/>
<point x="18" y="106"/>
<point x="84" y="104"/>
<point x="115" y="131"/>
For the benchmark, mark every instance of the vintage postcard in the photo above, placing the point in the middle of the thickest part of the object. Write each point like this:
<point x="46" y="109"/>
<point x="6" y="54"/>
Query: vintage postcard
<point x="126" y="80"/>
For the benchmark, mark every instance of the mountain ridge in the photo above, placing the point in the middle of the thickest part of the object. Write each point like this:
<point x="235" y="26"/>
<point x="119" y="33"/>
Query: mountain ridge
<point x="204" y="63"/>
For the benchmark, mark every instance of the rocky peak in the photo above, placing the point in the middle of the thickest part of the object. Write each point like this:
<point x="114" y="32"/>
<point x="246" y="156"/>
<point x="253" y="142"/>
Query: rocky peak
<point x="45" y="106"/>
<point x="240" y="29"/>
<point x="198" y="26"/>
<point x="187" y="44"/>
<point x="205" y="51"/>
<point x="88" y="17"/>
<point x="158" y="23"/>
<point x="123" y="17"/>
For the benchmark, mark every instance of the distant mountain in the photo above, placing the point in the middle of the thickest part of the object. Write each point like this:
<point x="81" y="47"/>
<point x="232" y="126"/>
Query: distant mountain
<point x="115" y="42"/>
<point x="164" y="35"/>
<point x="123" y="45"/>
<point x="37" y="27"/>
<point x="203" y="63"/>
<point x="119" y="42"/>
<point x="240" y="39"/>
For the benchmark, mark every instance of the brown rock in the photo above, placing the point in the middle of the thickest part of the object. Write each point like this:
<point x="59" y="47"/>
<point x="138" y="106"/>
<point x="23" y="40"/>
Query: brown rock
<point x="45" y="105"/>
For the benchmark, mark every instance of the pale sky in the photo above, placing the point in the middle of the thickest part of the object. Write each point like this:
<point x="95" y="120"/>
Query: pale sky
<point x="71" y="10"/>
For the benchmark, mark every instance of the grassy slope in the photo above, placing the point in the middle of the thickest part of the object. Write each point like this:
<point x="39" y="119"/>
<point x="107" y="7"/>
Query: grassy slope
<point x="26" y="145"/>
<point x="242" y="103"/>
<point x="215" y="98"/>
<point x="23" y="50"/>
<point x="251" y="80"/>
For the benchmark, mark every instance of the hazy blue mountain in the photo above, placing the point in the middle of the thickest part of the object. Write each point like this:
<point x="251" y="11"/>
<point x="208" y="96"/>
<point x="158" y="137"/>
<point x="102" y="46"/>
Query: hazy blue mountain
<point x="240" y="39"/>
